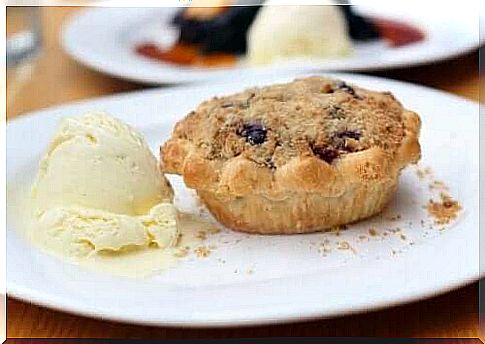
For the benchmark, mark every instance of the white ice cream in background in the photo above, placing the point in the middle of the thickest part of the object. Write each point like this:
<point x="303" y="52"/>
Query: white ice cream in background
<point x="99" y="188"/>
<point x="288" y="32"/>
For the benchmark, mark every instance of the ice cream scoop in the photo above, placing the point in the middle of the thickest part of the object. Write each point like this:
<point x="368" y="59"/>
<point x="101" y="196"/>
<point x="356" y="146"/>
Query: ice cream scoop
<point x="78" y="232"/>
<point x="288" y="32"/>
<point x="99" y="162"/>
<point x="99" y="187"/>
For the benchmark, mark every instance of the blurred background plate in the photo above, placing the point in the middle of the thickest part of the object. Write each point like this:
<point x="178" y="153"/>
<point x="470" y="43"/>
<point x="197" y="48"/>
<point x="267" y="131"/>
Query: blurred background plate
<point x="105" y="39"/>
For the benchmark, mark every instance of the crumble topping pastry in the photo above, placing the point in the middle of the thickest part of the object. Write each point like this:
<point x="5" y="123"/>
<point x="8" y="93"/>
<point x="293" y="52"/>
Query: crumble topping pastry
<point x="296" y="157"/>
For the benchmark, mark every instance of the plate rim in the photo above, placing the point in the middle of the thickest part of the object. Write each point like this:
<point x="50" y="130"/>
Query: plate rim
<point x="24" y="295"/>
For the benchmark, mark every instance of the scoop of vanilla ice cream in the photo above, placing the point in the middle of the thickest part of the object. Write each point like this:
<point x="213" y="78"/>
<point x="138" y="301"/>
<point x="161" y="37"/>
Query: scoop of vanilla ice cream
<point x="100" y="188"/>
<point x="77" y="231"/>
<point x="287" y="32"/>
<point x="98" y="161"/>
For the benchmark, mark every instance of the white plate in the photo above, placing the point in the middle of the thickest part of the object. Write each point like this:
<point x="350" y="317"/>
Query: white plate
<point x="104" y="39"/>
<point x="266" y="279"/>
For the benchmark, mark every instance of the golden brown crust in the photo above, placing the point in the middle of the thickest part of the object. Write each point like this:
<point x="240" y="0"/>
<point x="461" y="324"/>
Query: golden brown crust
<point x="250" y="185"/>
<point x="298" y="212"/>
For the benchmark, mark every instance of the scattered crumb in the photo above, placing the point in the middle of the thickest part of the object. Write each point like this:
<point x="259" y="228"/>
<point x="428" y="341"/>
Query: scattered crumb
<point x="344" y="245"/>
<point x="403" y="237"/>
<point x="182" y="252"/>
<point x="390" y="231"/>
<point x="423" y="172"/>
<point x="394" y="252"/>
<point x="394" y="218"/>
<point x="336" y="229"/>
<point x="324" y="248"/>
<point x="438" y="185"/>
<point x="201" y="235"/>
<point x="222" y="261"/>
<point x="236" y="271"/>
<point x="213" y="230"/>
<point x="444" y="211"/>
<point x="363" y="237"/>
<point x="394" y="230"/>
<point x="373" y="232"/>
<point x="202" y="251"/>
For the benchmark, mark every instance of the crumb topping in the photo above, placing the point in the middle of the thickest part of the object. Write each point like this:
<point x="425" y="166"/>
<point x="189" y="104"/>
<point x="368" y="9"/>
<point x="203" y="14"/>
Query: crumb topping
<point x="312" y="116"/>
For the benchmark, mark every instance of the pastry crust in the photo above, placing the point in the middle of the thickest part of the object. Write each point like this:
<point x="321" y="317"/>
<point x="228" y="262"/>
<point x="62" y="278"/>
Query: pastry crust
<point x="294" y="173"/>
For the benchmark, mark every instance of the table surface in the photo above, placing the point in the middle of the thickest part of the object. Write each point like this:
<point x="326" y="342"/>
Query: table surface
<point x="57" y="79"/>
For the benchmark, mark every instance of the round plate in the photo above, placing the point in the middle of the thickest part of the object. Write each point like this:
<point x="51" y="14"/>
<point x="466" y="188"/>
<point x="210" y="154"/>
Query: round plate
<point x="252" y="279"/>
<point x="104" y="39"/>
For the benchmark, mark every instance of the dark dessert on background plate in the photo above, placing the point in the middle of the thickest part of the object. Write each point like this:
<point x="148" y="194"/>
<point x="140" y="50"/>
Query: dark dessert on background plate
<point x="224" y="31"/>
<point x="219" y="35"/>
<point x="209" y="36"/>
